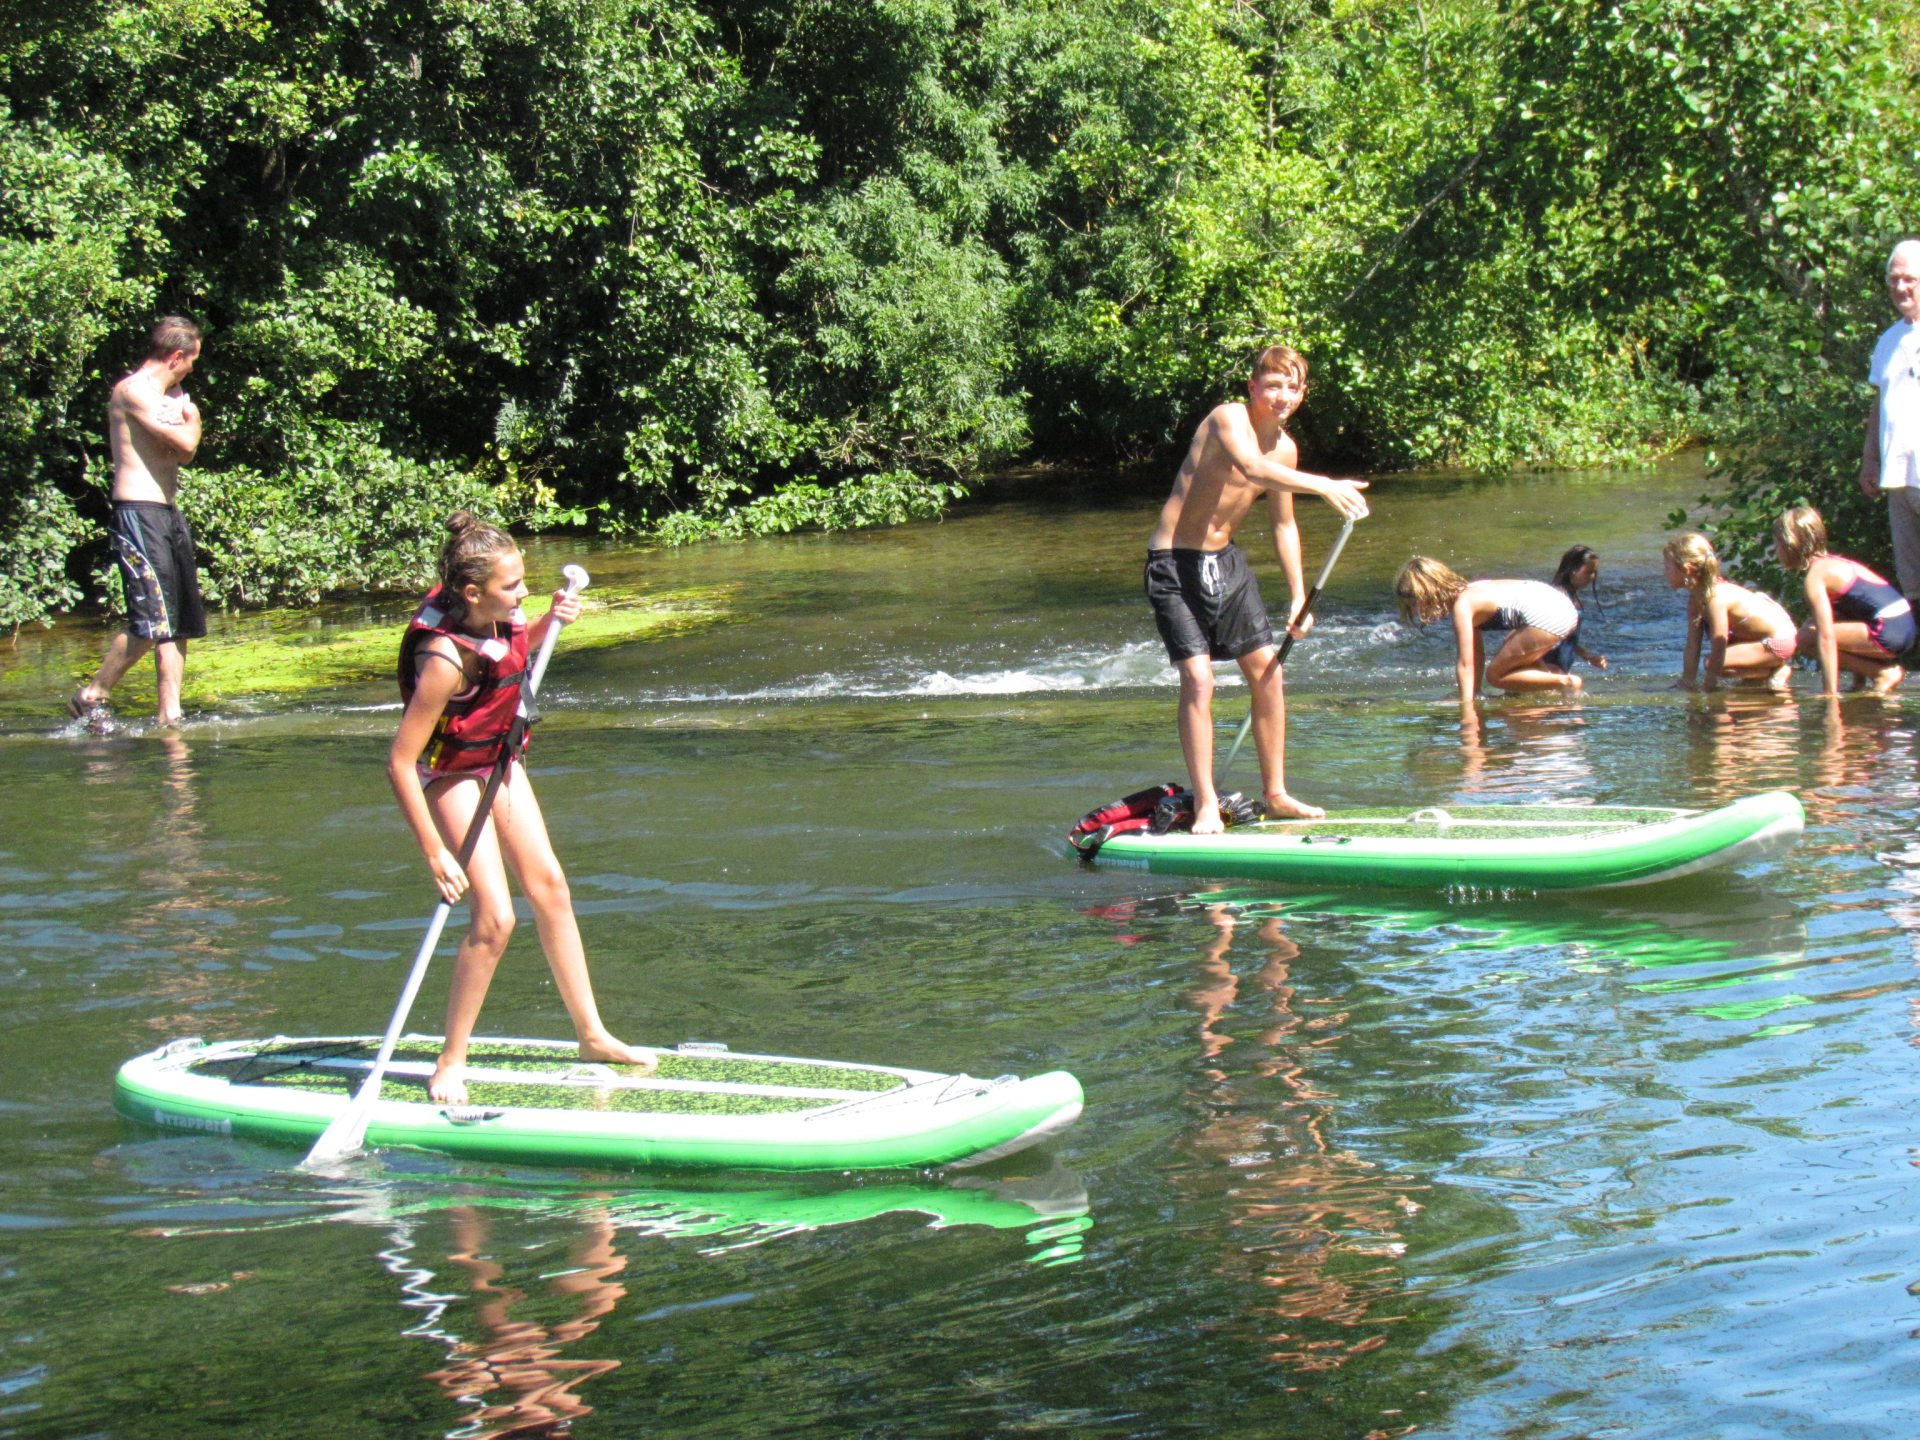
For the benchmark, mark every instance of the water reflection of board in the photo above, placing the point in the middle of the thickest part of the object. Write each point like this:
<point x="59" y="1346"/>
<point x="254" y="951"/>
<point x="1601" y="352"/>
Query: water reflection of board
<point x="1519" y="847"/>
<point x="532" y="1100"/>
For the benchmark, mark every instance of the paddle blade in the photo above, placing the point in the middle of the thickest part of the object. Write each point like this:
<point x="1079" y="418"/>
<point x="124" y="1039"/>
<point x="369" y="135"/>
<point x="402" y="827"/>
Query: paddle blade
<point x="348" y="1133"/>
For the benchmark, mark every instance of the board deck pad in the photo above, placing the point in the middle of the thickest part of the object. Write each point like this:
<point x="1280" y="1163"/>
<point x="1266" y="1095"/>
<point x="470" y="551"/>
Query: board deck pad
<point x="527" y="1076"/>
<point x="1467" y="821"/>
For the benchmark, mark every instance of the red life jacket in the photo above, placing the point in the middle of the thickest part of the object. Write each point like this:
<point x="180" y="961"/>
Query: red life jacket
<point x="470" y="729"/>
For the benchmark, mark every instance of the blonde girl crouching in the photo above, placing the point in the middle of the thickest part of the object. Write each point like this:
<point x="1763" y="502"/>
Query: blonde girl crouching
<point x="1535" y="615"/>
<point x="1748" y="635"/>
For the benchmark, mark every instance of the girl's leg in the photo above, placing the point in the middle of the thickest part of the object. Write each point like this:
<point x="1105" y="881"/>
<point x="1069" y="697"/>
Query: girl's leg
<point x="529" y="854"/>
<point x="1860" y="654"/>
<point x="1749" y="660"/>
<point x="1517" y="664"/>
<point x="490" y="904"/>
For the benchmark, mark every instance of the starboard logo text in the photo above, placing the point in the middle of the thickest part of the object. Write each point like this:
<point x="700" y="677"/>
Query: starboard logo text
<point x="207" y="1123"/>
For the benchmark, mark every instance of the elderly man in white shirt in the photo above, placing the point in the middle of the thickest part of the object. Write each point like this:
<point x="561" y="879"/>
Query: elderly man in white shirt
<point x="1890" y="461"/>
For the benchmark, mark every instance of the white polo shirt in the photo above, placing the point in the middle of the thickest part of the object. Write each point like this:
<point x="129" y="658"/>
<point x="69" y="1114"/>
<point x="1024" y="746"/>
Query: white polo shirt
<point x="1895" y="372"/>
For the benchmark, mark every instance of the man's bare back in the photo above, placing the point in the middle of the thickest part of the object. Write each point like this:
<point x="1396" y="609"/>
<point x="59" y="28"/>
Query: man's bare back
<point x="153" y="428"/>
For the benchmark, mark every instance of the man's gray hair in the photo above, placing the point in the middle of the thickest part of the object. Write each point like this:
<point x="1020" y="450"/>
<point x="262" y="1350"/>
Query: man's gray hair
<point x="1906" y="249"/>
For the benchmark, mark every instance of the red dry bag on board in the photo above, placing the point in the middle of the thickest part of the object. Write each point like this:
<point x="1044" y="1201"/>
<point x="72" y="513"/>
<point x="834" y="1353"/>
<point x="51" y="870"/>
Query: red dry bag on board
<point x="1134" y="812"/>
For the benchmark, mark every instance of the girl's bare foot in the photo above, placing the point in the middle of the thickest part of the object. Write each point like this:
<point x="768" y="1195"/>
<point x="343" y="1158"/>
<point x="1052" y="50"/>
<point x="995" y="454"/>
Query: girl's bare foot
<point x="1884" y="682"/>
<point x="1781" y="680"/>
<point x="1282" y="806"/>
<point x="608" y="1050"/>
<point x="448" y="1083"/>
<point x="1207" y="821"/>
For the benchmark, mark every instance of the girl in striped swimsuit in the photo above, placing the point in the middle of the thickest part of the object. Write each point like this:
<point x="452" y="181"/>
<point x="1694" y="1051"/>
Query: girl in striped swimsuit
<point x="1535" y="615"/>
<point x="1860" y="623"/>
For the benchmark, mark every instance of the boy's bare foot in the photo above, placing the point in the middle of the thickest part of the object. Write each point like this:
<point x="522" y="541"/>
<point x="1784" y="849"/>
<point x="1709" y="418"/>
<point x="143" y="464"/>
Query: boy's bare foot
<point x="1781" y="680"/>
<point x="606" y="1049"/>
<point x="1884" y="682"/>
<point x="1282" y="806"/>
<point x="448" y="1083"/>
<point x="1574" y="684"/>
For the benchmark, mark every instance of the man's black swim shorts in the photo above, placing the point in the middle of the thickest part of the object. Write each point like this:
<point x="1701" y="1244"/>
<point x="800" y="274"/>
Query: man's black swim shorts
<point x="155" y="550"/>
<point x="1206" y="602"/>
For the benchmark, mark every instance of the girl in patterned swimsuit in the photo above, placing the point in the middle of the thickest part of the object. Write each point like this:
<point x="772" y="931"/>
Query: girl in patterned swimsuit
<point x="1749" y="636"/>
<point x="1535" y="615"/>
<point x="1860" y="623"/>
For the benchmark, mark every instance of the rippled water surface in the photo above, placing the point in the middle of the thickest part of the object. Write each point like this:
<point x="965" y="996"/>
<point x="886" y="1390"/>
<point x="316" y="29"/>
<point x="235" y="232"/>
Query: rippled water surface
<point x="1353" y="1164"/>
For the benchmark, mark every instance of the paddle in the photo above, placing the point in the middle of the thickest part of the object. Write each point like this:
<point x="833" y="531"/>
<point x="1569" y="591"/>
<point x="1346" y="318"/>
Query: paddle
<point x="348" y="1131"/>
<point x="1286" y="645"/>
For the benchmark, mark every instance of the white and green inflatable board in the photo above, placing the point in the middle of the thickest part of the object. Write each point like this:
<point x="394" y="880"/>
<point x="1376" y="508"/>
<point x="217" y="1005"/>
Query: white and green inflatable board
<point x="533" y="1100"/>
<point x="1495" y="847"/>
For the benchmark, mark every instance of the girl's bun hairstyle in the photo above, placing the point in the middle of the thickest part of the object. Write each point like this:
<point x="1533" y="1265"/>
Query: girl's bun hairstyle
<point x="468" y="556"/>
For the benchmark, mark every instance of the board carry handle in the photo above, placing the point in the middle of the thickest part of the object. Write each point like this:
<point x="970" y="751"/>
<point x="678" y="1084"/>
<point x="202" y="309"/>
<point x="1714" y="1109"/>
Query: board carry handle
<point x="348" y="1130"/>
<point x="1286" y="645"/>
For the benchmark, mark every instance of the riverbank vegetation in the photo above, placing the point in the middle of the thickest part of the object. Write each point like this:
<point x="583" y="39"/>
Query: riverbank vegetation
<point x="742" y="266"/>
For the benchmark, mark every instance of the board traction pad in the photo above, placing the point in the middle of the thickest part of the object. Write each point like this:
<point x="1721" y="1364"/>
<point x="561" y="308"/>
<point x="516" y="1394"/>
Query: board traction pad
<point x="289" y="1064"/>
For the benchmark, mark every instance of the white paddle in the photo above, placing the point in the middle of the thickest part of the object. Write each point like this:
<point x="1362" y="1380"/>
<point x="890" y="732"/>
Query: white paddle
<point x="348" y="1132"/>
<point x="1286" y="645"/>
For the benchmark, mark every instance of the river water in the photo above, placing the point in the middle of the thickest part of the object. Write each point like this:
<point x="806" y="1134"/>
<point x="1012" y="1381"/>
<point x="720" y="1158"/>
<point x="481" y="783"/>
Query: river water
<point x="1352" y="1165"/>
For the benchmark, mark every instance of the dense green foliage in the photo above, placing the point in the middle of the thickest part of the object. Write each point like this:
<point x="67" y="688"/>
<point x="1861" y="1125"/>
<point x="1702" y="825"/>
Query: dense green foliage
<point x="747" y="266"/>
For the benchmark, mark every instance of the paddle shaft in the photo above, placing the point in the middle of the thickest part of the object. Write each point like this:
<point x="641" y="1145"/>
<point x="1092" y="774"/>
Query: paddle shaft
<point x="349" y="1128"/>
<point x="1286" y="645"/>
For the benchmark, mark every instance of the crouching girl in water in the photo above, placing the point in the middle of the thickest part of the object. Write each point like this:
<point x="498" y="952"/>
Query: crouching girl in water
<point x="1535" y="615"/>
<point x="462" y="663"/>
<point x="1860" y="622"/>
<point x="1579" y="569"/>
<point x="1749" y="636"/>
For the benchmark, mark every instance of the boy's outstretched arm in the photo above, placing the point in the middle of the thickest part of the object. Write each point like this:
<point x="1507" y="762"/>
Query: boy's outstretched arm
<point x="1243" y="448"/>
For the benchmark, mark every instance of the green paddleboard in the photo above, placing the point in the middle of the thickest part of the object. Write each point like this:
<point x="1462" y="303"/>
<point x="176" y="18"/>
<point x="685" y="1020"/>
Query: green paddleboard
<point x="1482" y="847"/>
<point x="533" y="1100"/>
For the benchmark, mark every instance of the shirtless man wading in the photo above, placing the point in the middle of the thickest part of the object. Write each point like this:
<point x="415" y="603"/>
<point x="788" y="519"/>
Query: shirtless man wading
<point x="153" y="429"/>
<point x="1205" y="599"/>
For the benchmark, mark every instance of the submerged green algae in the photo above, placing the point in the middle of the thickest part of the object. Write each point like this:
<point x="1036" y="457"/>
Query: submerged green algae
<point x="292" y="653"/>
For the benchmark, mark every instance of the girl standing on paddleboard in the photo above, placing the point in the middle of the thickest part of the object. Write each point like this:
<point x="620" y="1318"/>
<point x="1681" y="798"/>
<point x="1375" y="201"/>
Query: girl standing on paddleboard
<point x="1860" y="623"/>
<point x="463" y="660"/>
<point x="1535" y="615"/>
<point x="1749" y="636"/>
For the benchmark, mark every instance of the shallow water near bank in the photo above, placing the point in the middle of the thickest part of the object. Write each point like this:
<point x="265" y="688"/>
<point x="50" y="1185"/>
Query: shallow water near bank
<point x="1628" y="1164"/>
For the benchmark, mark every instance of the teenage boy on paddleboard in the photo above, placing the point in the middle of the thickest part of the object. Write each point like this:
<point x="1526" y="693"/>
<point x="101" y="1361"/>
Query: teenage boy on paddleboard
<point x="1205" y="599"/>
